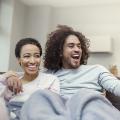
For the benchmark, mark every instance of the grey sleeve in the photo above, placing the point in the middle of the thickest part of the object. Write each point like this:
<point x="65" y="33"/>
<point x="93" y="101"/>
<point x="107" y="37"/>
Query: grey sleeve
<point x="109" y="82"/>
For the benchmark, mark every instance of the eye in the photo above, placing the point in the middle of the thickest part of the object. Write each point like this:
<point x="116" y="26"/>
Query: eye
<point x="26" y="56"/>
<point x="37" y="55"/>
<point x="70" y="45"/>
<point x="79" y="46"/>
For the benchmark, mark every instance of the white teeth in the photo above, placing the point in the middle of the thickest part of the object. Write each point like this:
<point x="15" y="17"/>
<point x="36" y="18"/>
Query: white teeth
<point x="75" y="55"/>
<point x="32" y="66"/>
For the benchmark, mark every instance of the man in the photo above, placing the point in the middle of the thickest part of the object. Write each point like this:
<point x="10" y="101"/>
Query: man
<point x="82" y="85"/>
<point x="66" y="56"/>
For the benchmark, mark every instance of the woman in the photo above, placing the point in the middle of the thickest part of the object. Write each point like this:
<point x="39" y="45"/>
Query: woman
<point x="28" y="51"/>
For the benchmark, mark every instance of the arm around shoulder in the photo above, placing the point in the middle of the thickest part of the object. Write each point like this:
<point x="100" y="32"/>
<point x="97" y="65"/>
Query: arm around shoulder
<point x="55" y="85"/>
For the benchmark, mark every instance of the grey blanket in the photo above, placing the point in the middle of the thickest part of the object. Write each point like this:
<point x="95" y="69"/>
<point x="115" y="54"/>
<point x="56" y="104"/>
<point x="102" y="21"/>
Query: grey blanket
<point x="85" y="105"/>
<point x="14" y="110"/>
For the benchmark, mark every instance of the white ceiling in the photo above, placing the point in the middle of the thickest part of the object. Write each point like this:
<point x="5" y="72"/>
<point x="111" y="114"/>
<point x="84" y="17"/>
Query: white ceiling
<point x="58" y="3"/>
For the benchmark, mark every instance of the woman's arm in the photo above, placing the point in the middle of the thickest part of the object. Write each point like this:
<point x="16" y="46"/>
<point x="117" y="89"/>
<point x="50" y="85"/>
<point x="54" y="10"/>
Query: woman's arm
<point x="5" y="76"/>
<point x="11" y="80"/>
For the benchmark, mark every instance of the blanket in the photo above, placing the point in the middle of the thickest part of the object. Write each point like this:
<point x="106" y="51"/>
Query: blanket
<point x="84" y="105"/>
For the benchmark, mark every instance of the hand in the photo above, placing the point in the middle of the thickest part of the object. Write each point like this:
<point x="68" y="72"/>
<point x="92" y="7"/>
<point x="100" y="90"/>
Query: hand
<point x="14" y="84"/>
<point x="9" y="74"/>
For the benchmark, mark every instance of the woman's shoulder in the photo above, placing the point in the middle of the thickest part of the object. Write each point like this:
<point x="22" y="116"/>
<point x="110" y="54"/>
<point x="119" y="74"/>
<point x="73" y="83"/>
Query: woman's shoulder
<point x="47" y="75"/>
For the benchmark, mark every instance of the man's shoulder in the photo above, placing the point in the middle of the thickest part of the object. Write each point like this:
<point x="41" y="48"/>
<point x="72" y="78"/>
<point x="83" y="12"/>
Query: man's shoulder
<point x="93" y="67"/>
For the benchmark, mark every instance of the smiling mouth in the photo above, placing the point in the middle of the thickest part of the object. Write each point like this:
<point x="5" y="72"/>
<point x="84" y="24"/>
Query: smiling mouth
<point x="32" y="68"/>
<point x="76" y="57"/>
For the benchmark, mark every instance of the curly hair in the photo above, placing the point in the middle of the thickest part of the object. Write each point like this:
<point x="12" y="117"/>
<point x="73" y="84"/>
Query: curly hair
<point x="54" y="47"/>
<point x="26" y="41"/>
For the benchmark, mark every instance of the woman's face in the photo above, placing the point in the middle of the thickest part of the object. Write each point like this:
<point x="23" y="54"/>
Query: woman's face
<point x="30" y="59"/>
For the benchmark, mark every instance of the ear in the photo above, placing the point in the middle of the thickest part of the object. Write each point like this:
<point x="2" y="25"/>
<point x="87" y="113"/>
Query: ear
<point x="19" y="61"/>
<point x="61" y="54"/>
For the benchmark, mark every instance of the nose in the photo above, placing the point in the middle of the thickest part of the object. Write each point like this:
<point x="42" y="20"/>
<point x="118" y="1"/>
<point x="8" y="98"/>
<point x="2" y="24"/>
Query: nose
<point x="76" y="48"/>
<point x="32" y="60"/>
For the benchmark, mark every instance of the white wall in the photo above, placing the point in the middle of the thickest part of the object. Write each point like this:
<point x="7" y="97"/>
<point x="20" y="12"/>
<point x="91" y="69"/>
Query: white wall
<point x="28" y="22"/>
<point x="17" y="31"/>
<point x="38" y="22"/>
<point x="93" y="20"/>
<point x="6" y="12"/>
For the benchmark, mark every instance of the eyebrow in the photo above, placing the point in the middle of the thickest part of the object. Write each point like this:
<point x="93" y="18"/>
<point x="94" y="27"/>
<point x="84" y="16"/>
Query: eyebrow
<point x="29" y="53"/>
<point x="74" y="43"/>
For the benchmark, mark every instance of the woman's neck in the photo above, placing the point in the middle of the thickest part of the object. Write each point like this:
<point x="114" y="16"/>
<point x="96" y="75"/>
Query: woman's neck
<point x="28" y="78"/>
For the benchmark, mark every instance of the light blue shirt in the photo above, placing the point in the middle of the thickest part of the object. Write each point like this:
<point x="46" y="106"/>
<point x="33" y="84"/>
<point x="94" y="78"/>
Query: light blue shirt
<point x="94" y="77"/>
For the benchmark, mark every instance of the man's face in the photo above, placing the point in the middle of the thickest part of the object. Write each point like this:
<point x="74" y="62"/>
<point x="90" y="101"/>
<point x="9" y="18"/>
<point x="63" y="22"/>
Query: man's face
<point x="72" y="52"/>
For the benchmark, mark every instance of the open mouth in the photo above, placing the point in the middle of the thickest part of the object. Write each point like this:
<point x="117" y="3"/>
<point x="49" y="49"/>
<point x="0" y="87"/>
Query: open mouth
<point x="76" y="57"/>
